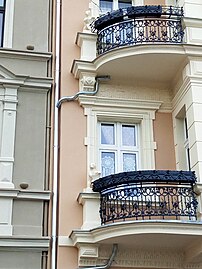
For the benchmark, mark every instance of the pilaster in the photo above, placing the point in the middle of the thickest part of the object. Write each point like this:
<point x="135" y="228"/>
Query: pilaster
<point x="91" y="206"/>
<point x="8" y="106"/>
<point x="192" y="8"/>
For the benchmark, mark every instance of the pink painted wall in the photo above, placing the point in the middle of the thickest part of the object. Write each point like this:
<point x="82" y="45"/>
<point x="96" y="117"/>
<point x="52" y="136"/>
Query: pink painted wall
<point x="72" y="132"/>
<point x="163" y="135"/>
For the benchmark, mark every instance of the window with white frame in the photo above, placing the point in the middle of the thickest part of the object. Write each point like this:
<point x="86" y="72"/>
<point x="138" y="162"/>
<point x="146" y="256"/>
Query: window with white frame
<point x="182" y="141"/>
<point x="129" y="127"/>
<point x="109" y="5"/>
<point x="186" y="144"/>
<point x="118" y="147"/>
<point x="2" y="19"/>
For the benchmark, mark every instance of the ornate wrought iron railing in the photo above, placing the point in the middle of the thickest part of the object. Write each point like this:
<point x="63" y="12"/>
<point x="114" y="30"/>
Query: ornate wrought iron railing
<point x="137" y="25"/>
<point x="132" y="32"/>
<point x="147" y="195"/>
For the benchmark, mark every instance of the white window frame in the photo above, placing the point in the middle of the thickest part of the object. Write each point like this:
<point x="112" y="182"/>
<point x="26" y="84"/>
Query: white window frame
<point x="116" y="6"/>
<point x="127" y="111"/>
<point x="118" y="148"/>
<point x="183" y="161"/>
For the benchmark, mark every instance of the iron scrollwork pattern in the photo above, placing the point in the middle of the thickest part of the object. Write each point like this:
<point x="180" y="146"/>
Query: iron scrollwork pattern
<point x="163" y="195"/>
<point x="138" y="24"/>
<point x="138" y="31"/>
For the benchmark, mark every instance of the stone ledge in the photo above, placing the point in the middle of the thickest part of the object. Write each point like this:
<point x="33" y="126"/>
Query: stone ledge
<point x="40" y="243"/>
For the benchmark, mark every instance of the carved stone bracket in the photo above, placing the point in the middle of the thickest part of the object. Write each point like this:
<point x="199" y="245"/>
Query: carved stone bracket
<point x="87" y="82"/>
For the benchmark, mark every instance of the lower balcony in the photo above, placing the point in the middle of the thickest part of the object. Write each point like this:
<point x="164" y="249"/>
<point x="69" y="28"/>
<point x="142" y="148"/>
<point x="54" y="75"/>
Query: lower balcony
<point x="147" y="195"/>
<point x="151" y="214"/>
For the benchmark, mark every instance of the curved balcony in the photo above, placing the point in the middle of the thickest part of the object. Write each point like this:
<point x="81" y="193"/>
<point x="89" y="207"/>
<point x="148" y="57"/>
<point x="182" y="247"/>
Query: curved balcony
<point x="142" y="210"/>
<point x="147" y="195"/>
<point x="138" y="25"/>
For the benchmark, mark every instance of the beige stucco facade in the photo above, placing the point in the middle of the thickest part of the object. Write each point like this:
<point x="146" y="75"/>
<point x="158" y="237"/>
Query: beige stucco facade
<point x="153" y="86"/>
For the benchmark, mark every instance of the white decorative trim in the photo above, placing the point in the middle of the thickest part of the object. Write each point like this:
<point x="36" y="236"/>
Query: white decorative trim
<point x="124" y="110"/>
<point x="10" y="80"/>
<point x="15" y="242"/>
<point x="86" y="251"/>
<point x="192" y="22"/>
<point x="64" y="241"/>
<point x="81" y="66"/>
<point x="25" y="194"/>
<point x="34" y="195"/>
<point x="106" y="232"/>
<point x="26" y="55"/>
<point x="91" y="206"/>
<point x="87" y="82"/>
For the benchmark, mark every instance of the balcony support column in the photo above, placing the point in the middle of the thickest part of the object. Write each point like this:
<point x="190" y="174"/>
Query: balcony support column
<point x="91" y="206"/>
<point x="189" y="97"/>
<point x="87" y="43"/>
<point x="192" y="9"/>
<point x="198" y="191"/>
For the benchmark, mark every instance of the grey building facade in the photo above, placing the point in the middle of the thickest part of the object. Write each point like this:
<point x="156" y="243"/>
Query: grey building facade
<point x="25" y="95"/>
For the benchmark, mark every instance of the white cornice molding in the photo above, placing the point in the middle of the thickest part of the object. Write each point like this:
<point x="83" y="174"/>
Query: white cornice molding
<point x="25" y="194"/>
<point x="40" y="243"/>
<point x="80" y="36"/>
<point x="9" y="79"/>
<point x="129" y="104"/>
<point x="192" y="22"/>
<point x="25" y="55"/>
<point x="64" y="241"/>
<point x="81" y="66"/>
<point x="87" y="195"/>
<point x="115" y="230"/>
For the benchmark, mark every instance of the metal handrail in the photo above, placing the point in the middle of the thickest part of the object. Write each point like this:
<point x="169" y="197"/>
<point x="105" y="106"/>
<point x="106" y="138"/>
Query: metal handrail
<point x="133" y="32"/>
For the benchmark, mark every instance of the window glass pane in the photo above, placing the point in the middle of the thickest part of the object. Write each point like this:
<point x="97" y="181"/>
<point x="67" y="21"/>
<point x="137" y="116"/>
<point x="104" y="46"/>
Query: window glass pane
<point x="106" y="6"/>
<point x="1" y="28"/>
<point x="1" y="3"/>
<point x="107" y="134"/>
<point x="108" y="163"/>
<point x="129" y="162"/>
<point x="128" y="135"/>
<point x="125" y="4"/>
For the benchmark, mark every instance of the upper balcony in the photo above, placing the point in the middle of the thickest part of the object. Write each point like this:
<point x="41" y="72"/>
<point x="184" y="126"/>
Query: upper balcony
<point x="138" y="44"/>
<point x="137" y="25"/>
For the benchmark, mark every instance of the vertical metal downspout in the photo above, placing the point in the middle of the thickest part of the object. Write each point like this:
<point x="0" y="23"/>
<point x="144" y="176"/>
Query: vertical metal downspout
<point x="56" y="131"/>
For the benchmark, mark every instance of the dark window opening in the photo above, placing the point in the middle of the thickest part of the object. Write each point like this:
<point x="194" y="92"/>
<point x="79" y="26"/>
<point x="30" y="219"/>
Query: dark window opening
<point x="2" y="20"/>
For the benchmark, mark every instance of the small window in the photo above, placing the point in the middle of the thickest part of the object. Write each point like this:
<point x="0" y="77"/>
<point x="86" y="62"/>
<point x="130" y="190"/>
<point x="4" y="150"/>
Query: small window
<point x="119" y="150"/>
<point x="124" y="3"/>
<point x="186" y="144"/>
<point x="182" y="141"/>
<point x="106" y="6"/>
<point x="109" y="5"/>
<point x="2" y="16"/>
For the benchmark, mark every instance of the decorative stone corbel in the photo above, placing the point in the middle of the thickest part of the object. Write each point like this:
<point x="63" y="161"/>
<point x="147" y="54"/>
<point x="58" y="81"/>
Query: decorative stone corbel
<point x="91" y="14"/>
<point x="87" y="82"/>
